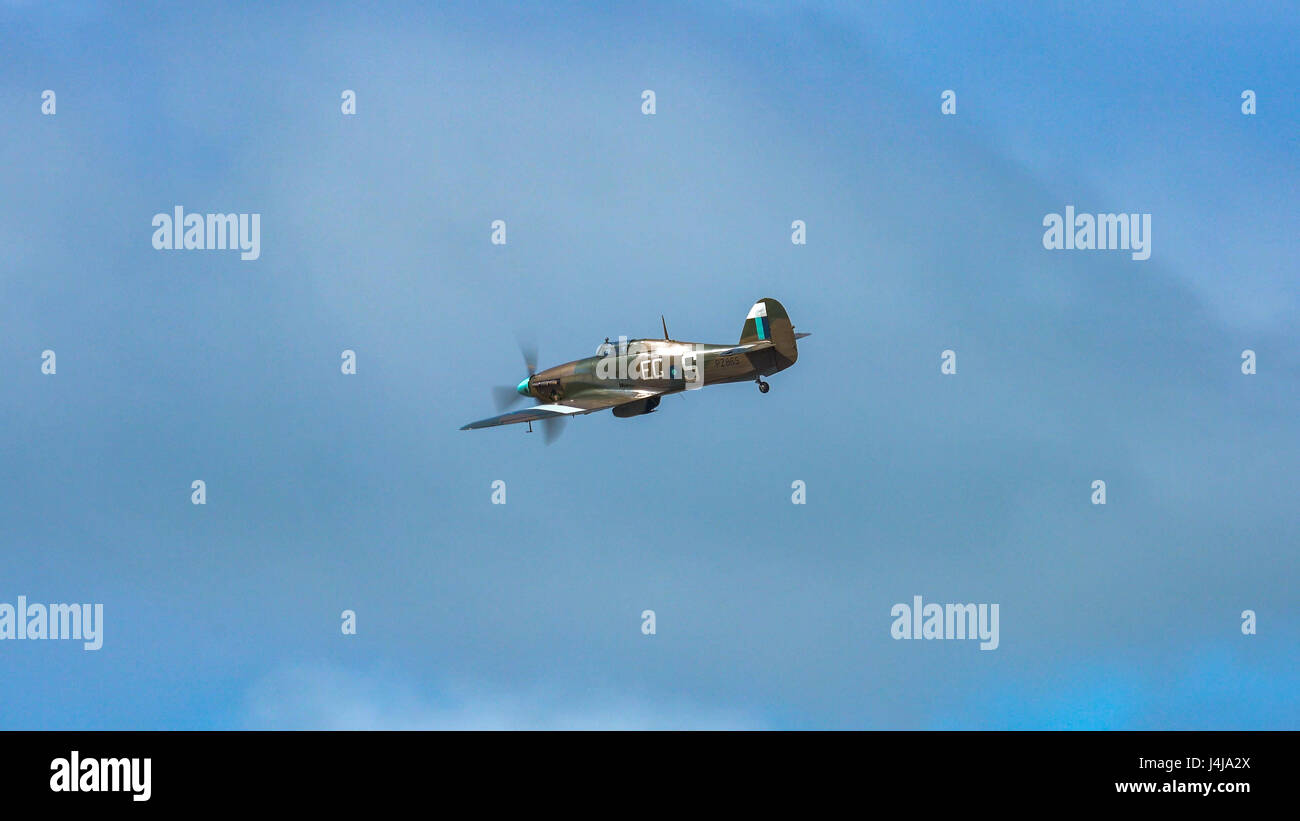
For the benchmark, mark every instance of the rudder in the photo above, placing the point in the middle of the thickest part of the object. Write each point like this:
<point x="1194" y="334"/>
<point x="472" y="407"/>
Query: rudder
<point x="768" y="320"/>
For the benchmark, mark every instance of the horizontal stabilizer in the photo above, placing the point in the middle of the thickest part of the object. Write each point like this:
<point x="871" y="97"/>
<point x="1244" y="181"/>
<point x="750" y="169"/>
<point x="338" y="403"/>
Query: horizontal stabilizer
<point x="750" y="347"/>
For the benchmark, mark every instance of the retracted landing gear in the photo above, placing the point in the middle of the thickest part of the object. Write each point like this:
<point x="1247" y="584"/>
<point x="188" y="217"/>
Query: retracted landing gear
<point x="763" y="387"/>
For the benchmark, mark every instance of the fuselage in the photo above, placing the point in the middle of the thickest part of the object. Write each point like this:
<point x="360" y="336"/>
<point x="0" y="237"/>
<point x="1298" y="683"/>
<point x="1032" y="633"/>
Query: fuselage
<point x="662" y="365"/>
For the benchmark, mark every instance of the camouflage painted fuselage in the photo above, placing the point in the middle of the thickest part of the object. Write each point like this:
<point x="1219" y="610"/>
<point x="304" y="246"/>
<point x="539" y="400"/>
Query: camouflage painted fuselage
<point x="665" y="366"/>
<point x="659" y="365"/>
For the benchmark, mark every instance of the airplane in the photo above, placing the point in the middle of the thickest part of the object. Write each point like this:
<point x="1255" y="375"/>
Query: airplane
<point x="632" y="376"/>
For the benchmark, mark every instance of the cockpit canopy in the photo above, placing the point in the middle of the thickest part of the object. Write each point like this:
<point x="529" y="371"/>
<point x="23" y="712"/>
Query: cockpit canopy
<point x="631" y="347"/>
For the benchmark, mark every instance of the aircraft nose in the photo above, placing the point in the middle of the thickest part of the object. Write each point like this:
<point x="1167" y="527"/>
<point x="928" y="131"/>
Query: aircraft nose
<point x="522" y="387"/>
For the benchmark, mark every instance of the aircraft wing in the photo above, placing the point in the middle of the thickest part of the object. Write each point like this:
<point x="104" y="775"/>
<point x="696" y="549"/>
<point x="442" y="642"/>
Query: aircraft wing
<point x="586" y="402"/>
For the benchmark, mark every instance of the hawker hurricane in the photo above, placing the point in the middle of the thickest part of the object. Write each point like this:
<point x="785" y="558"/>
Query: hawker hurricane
<point x="631" y="376"/>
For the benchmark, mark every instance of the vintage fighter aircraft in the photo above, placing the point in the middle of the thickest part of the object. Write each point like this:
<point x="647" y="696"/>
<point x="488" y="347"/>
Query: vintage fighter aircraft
<point x="631" y="376"/>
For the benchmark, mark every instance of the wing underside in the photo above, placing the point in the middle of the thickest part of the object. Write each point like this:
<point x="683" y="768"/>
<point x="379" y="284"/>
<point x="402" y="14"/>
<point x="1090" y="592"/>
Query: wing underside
<point x="586" y="402"/>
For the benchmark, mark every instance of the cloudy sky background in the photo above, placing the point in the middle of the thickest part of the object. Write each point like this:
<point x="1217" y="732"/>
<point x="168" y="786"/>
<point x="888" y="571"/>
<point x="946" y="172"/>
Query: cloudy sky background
<point x="328" y="492"/>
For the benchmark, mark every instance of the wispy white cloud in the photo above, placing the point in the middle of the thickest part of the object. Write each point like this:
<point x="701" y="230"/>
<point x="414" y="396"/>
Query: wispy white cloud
<point x="326" y="697"/>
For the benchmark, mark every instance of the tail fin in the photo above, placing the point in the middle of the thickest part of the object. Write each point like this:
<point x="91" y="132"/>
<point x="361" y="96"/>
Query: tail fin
<point x="768" y="320"/>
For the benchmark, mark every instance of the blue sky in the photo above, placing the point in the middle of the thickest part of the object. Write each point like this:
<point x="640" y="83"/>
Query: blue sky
<point x="329" y="492"/>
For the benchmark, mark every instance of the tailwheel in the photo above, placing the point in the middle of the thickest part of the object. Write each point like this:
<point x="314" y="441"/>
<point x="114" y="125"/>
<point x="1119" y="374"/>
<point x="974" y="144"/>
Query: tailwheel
<point x="763" y="387"/>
